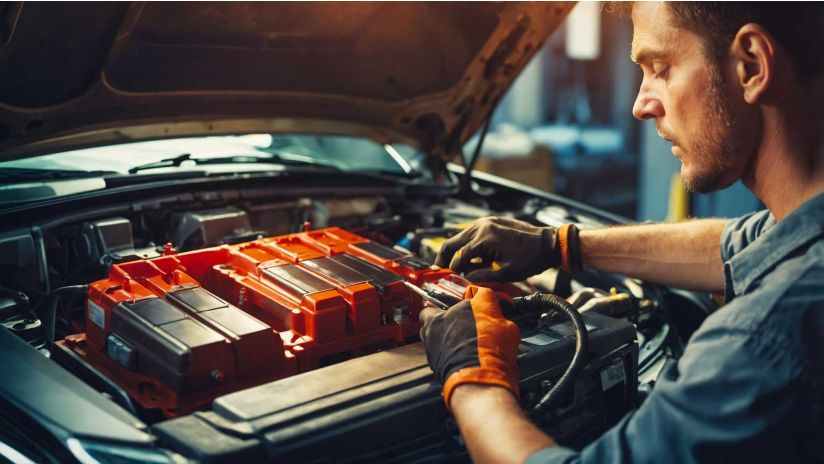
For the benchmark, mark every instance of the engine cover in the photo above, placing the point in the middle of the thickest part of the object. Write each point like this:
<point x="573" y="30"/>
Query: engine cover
<point x="181" y="329"/>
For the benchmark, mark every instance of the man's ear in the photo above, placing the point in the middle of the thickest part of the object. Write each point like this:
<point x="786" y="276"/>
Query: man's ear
<point x="754" y="50"/>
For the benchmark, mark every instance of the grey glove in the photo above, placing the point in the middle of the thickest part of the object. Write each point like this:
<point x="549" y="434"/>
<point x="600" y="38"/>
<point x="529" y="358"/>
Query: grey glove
<point x="520" y="250"/>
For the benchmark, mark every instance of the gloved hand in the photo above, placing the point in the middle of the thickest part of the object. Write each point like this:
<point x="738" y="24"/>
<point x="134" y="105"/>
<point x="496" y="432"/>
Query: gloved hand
<point x="471" y="342"/>
<point x="520" y="249"/>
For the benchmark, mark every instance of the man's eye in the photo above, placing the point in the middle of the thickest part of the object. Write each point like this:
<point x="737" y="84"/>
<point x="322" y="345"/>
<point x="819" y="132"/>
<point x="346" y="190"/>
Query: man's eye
<point x="660" y="70"/>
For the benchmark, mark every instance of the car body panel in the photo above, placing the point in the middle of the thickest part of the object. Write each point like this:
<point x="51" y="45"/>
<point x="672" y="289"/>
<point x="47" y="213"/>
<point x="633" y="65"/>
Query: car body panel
<point x="422" y="73"/>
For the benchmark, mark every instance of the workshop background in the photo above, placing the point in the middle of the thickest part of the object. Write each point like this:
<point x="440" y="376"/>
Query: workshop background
<point x="566" y="126"/>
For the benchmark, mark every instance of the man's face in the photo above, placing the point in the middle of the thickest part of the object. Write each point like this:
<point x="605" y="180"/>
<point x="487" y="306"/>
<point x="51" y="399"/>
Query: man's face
<point x="687" y="95"/>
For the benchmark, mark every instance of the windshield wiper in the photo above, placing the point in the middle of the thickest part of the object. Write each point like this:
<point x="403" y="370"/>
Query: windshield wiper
<point x="32" y="174"/>
<point x="164" y="163"/>
<point x="272" y="158"/>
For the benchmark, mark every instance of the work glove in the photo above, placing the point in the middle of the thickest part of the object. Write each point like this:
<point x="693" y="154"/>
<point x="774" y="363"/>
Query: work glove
<point x="471" y="342"/>
<point x="497" y="249"/>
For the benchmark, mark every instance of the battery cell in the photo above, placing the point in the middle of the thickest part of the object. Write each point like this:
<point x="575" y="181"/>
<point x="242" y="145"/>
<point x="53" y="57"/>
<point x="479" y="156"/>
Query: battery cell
<point x="335" y="270"/>
<point x="414" y="263"/>
<point x="257" y="346"/>
<point x="381" y="251"/>
<point x="296" y="279"/>
<point x="379" y="277"/>
<point x="181" y="350"/>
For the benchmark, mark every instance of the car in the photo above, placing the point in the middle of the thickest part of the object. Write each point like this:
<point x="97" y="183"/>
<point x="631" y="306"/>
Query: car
<point x="218" y="223"/>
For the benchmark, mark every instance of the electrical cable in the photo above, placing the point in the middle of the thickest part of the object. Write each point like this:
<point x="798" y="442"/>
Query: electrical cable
<point x="466" y="181"/>
<point x="469" y="165"/>
<point x="46" y="309"/>
<point x="544" y="302"/>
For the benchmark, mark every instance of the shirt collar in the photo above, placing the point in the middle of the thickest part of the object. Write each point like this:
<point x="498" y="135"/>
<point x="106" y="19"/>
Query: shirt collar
<point x="776" y="243"/>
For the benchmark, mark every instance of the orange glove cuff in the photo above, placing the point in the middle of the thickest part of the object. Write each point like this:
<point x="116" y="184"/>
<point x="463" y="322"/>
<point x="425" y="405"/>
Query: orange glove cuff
<point x="569" y="248"/>
<point x="563" y="242"/>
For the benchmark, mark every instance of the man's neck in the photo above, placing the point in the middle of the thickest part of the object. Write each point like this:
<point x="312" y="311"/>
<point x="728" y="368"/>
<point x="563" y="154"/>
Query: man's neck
<point x="789" y="167"/>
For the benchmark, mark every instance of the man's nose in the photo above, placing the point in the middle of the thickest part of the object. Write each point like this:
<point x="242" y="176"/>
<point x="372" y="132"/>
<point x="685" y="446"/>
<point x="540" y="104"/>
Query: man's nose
<point x="646" y="105"/>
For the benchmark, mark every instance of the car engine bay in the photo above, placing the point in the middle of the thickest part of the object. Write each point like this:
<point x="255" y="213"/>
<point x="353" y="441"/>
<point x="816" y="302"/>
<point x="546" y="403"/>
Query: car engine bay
<point x="266" y="323"/>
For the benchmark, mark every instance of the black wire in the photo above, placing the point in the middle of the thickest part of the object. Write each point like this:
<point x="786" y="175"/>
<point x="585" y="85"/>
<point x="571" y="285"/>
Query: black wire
<point x="545" y="302"/>
<point x="51" y="321"/>
<point x="466" y="181"/>
<point x="46" y="309"/>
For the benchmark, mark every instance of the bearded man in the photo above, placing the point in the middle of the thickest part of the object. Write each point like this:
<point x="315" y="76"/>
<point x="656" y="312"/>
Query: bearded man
<point x="738" y="89"/>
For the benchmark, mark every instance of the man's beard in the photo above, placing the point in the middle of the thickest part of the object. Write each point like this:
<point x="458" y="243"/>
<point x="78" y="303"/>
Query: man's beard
<point x="715" y="154"/>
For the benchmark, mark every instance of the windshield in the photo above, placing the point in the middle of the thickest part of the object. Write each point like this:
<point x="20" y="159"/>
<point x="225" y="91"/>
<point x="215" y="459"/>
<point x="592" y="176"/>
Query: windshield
<point x="84" y="170"/>
<point x="344" y="152"/>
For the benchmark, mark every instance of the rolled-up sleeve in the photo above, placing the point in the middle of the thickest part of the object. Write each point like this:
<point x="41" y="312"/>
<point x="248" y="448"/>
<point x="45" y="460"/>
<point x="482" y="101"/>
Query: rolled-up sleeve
<point x="730" y="398"/>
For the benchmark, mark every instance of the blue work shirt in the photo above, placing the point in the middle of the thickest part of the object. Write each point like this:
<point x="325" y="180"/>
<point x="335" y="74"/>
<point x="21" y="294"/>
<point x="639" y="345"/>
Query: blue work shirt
<point x="750" y="384"/>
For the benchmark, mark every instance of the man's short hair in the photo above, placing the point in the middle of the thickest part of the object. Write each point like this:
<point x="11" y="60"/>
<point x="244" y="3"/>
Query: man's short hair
<point x="797" y="26"/>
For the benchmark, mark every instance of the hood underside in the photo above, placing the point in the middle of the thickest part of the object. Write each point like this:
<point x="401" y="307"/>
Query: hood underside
<point x="428" y="74"/>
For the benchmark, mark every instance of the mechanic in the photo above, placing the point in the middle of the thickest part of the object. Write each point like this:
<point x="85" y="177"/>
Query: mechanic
<point x="737" y="89"/>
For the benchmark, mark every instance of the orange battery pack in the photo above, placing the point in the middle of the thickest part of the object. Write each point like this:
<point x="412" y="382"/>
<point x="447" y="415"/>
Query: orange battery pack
<point x="179" y="330"/>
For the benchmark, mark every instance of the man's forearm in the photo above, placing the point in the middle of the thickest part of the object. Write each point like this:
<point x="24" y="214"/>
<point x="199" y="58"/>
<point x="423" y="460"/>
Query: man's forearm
<point x="685" y="255"/>
<point x="493" y="426"/>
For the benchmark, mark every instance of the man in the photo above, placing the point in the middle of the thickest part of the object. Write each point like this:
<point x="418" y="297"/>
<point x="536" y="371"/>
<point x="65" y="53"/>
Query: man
<point x="737" y="89"/>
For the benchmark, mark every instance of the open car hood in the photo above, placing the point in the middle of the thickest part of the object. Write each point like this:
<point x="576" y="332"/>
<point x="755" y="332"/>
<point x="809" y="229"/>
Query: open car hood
<point x="427" y="74"/>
